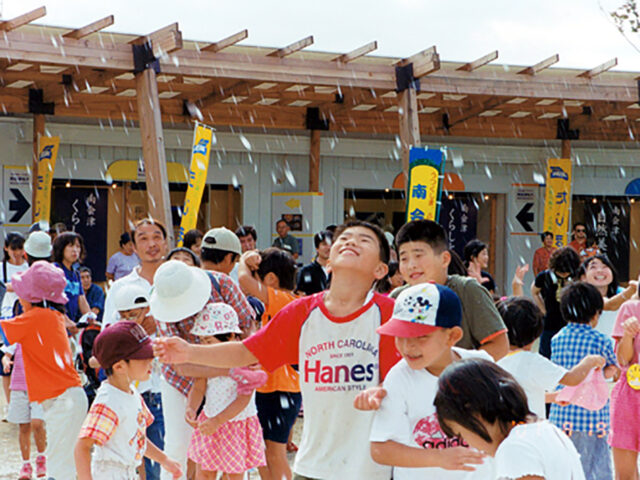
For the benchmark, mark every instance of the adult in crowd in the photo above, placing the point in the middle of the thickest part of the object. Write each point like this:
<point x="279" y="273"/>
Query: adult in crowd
<point x="248" y="237"/>
<point x="92" y="292"/>
<point x="579" y="239"/>
<point x="38" y="246"/>
<point x="600" y="272"/>
<point x="193" y="240"/>
<point x="542" y="255"/>
<point x="315" y="276"/>
<point x="149" y="239"/>
<point x="476" y="257"/>
<point x="220" y="251"/>
<point x="56" y="229"/>
<point x="546" y="290"/>
<point x="184" y="255"/>
<point x="68" y="248"/>
<point x="124" y="261"/>
<point x="284" y="240"/>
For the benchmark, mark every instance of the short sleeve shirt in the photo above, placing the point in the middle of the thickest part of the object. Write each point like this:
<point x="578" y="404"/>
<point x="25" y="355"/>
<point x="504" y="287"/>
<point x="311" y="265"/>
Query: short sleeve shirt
<point x="628" y="309"/>
<point x="536" y="374"/>
<point x="338" y="357"/>
<point x="73" y="290"/>
<point x="537" y="449"/>
<point x="48" y="364"/>
<point x="407" y="416"/>
<point x="288" y="243"/>
<point x="121" y="265"/>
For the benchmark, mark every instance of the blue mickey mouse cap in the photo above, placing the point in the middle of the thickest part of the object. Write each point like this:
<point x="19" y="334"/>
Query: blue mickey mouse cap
<point x="421" y="309"/>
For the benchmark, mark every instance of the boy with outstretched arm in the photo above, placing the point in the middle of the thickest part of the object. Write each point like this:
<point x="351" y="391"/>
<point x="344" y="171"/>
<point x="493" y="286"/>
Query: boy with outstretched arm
<point x="331" y="336"/>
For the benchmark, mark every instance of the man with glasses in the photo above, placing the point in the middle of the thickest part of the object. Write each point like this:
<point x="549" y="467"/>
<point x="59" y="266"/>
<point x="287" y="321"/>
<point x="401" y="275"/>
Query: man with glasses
<point x="579" y="239"/>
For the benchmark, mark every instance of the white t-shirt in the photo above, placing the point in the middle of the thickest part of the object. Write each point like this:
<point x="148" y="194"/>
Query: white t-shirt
<point x="128" y="441"/>
<point x="538" y="449"/>
<point x="221" y="392"/>
<point x="407" y="416"/>
<point x="10" y="298"/>
<point x="536" y="374"/>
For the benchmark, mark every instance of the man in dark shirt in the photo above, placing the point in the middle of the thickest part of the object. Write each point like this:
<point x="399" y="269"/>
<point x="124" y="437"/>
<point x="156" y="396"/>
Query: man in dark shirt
<point x="285" y="241"/>
<point x="314" y="277"/>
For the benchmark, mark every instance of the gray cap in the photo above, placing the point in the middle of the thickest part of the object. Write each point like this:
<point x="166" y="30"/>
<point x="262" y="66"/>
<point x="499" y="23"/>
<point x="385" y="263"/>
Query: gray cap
<point x="222" y="238"/>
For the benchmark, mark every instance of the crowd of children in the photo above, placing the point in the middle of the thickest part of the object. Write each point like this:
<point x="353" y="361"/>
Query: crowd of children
<point x="434" y="380"/>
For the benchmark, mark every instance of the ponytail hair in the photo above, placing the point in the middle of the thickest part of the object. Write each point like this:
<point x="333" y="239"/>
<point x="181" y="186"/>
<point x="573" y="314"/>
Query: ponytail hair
<point x="473" y="392"/>
<point x="58" y="307"/>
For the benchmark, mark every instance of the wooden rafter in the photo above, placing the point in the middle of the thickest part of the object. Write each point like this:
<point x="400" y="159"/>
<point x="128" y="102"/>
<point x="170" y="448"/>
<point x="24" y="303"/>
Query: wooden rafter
<point x="293" y="48"/>
<point x="471" y="66"/>
<point x="91" y="28"/>
<point x="23" y="19"/>
<point x="540" y="66"/>
<point x="357" y="53"/>
<point x="594" y="72"/>
<point x="226" y="42"/>
<point x="424" y="62"/>
<point x="165" y="40"/>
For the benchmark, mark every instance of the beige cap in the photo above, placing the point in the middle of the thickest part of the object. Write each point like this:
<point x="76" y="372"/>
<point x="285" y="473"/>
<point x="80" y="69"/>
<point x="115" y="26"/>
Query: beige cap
<point x="222" y="238"/>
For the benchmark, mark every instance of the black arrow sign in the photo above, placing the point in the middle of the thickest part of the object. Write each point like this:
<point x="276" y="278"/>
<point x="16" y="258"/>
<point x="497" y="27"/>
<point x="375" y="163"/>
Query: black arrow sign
<point x="524" y="216"/>
<point x="19" y="205"/>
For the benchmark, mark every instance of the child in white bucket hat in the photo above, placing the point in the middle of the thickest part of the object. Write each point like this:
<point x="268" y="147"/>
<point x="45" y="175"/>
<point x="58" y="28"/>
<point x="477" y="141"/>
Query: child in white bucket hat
<point x="224" y="440"/>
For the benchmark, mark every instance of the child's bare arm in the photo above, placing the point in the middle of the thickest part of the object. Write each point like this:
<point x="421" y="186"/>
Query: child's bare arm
<point x="370" y="399"/>
<point x="210" y="425"/>
<point x="398" y="455"/>
<point x="82" y="456"/>
<point x="579" y="372"/>
<point x="229" y="354"/>
<point x="200" y="371"/>
<point x="249" y="263"/>
<point x="157" y="455"/>
<point x="611" y="371"/>
<point x="194" y="399"/>
<point x="624" y="348"/>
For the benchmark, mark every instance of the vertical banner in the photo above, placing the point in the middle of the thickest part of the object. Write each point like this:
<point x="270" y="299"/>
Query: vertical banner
<point x="557" y="201"/>
<point x="48" y="152"/>
<point x="426" y="176"/>
<point x="200" y="152"/>
<point x="609" y="223"/>
<point x="459" y="217"/>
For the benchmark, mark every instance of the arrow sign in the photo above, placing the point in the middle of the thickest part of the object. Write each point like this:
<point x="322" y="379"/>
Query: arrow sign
<point x="19" y="205"/>
<point x="524" y="216"/>
<point x="293" y="203"/>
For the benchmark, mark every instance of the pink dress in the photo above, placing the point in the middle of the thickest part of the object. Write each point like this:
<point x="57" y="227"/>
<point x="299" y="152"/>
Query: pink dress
<point x="625" y="401"/>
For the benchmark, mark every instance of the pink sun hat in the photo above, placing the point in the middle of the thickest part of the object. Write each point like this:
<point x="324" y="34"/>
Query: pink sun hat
<point x="42" y="281"/>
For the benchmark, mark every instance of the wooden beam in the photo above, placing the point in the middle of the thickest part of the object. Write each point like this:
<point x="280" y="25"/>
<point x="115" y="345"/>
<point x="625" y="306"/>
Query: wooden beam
<point x="165" y="40"/>
<point x="471" y="66"/>
<point x="155" y="162"/>
<point x="38" y="131"/>
<point x="427" y="53"/>
<point x="409" y="126"/>
<point x="566" y="149"/>
<point x="594" y="72"/>
<point x="94" y="27"/>
<point x="226" y="42"/>
<point x="293" y="48"/>
<point x="357" y="53"/>
<point x="23" y="19"/>
<point x="424" y="62"/>
<point x="314" y="161"/>
<point x="540" y="66"/>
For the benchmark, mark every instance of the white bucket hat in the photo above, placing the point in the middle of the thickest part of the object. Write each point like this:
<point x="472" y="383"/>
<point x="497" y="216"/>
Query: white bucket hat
<point x="216" y="319"/>
<point x="130" y="297"/>
<point x="179" y="291"/>
<point x="38" y="245"/>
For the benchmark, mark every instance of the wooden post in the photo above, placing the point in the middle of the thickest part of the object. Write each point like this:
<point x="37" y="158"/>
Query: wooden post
<point x="409" y="126"/>
<point x="155" y="163"/>
<point x="314" y="161"/>
<point x="566" y="149"/>
<point x="38" y="131"/>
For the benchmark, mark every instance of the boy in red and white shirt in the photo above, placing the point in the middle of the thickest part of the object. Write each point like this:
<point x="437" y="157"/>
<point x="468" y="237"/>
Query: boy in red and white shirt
<point x="332" y="337"/>
<point x="116" y="424"/>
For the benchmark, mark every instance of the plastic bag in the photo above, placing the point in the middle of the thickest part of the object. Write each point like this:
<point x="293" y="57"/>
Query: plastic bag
<point x="592" y="393"/>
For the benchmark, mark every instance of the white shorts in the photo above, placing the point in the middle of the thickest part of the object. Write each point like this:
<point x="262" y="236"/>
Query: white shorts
<point x="21" y="410"/>
<point x="106" y="470"/>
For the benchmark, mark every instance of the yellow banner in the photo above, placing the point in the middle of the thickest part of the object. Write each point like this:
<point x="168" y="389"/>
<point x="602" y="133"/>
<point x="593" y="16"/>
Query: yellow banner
<point x="557" y="201"/>
<point x="423" y="193"/>
<point x="48" y="151"/>
<point x="202" y="137"/>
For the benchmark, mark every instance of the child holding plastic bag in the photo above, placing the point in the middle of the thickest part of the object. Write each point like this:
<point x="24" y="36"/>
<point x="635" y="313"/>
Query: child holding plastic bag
<point x="625" y="397"/>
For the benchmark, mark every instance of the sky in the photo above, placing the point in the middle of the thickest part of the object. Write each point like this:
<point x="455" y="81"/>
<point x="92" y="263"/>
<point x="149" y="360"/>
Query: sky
<point x="523" y="31"/>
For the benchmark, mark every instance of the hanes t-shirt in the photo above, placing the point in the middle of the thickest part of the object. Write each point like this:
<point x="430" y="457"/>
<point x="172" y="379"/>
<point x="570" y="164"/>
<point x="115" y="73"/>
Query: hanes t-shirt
<point x="48" y="364"/>
<point x="338" y="357"/>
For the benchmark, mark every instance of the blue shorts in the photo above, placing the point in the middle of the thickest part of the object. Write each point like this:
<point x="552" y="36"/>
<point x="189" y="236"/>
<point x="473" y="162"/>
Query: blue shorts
<point x="277" y="412"/>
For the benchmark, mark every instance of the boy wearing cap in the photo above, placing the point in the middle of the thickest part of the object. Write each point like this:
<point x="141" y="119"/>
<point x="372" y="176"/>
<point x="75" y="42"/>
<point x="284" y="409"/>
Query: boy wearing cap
<point x="405" y="432"/>
<point x="116" y="423"/>
<point x="220" y="250"/>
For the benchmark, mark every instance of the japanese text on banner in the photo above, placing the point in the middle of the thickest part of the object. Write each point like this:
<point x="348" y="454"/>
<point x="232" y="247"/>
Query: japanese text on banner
<point x="426" y="170"/>
<point x="557" y="202"/>
<point x="200" y="152"/>
<point x="47" y="153"/>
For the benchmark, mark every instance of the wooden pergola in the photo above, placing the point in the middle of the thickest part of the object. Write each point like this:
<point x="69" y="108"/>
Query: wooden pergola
<point x="158" y="78"/>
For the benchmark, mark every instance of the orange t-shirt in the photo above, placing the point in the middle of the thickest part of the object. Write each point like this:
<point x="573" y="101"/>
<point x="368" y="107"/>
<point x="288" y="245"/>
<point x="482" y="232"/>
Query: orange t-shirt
<point x="285" y="378"/>
<point x="48" y="365"/>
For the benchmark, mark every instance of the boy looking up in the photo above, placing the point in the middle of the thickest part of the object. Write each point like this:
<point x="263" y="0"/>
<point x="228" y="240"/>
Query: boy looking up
<point x="424" y="257"/>
<point x="331" y="336"/>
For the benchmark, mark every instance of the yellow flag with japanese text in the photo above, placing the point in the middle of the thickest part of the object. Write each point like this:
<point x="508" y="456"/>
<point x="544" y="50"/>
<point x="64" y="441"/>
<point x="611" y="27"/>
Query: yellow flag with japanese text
<point x="200" y="153"/>
<point x="424" y="190"/>
<point x="47" y="154"/>
<point x="557" y="200"/>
